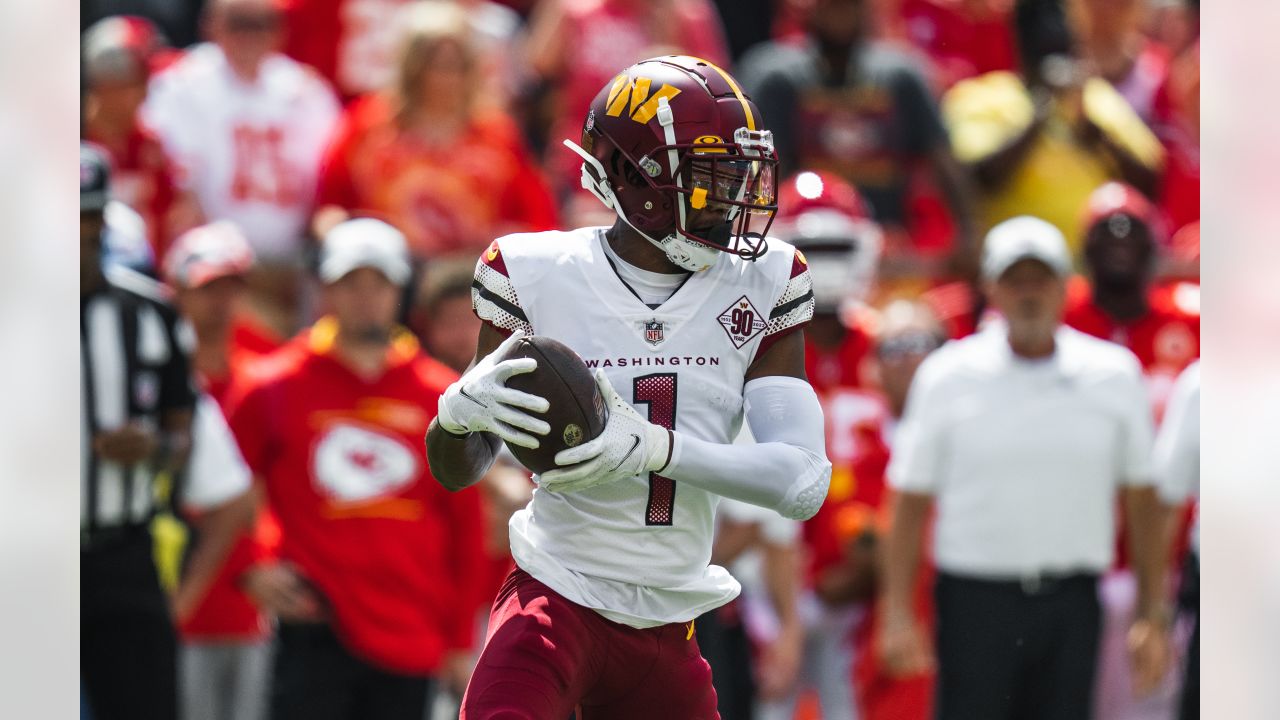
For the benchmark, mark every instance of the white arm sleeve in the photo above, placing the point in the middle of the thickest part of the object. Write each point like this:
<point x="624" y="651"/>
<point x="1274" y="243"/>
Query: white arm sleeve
<point x="786" y="470"/>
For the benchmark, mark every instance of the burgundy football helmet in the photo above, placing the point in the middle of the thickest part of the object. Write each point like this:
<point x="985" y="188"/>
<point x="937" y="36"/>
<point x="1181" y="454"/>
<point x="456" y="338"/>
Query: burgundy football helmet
<point x="680" y="153"/>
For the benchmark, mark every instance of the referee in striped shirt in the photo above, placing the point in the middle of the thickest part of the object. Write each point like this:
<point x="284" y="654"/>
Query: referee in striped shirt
<point x="137" y="401"/>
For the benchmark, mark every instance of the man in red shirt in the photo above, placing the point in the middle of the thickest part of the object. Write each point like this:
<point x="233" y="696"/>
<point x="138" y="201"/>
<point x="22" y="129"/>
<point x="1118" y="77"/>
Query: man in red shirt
<point x="1119" y="303"/>
<point x="376" y="585"/>
<point x="225" y="650"/>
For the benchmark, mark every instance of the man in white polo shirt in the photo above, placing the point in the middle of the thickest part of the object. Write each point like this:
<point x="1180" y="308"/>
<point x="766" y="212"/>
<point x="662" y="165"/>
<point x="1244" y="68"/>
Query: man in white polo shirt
<point x="1021" y="436"/>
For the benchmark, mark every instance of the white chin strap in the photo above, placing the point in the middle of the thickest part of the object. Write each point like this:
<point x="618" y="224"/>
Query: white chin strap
<point x="686" y="254"/>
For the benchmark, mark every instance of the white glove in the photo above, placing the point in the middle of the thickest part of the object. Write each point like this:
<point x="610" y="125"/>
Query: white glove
<point x="480" y="401"/>
<point x="629" y="446"/>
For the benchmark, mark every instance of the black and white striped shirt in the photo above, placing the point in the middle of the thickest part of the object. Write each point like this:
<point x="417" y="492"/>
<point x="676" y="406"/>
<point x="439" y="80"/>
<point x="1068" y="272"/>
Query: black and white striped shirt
<point x="132" y="368"/>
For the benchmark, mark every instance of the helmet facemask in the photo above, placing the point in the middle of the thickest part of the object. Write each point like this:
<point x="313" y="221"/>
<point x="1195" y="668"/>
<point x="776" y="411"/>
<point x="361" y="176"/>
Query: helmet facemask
<point x="724" y="189"/>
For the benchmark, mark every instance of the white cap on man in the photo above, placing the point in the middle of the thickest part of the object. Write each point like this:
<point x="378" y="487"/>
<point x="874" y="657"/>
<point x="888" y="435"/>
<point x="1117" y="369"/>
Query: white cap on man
<point x="364" y="242"/>
<point x="1022" y="238"/>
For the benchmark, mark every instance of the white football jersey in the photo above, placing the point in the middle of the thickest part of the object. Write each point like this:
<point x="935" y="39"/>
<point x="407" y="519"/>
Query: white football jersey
<point x="638" y="551"/>
<point x="249" y="152"/>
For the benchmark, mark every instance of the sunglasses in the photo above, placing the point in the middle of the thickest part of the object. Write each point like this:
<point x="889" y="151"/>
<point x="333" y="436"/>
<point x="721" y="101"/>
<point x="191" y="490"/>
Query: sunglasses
<point x="907" y="344"/>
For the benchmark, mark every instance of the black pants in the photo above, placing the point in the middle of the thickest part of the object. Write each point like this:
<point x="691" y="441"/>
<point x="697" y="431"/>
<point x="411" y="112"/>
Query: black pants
<point x="316" y="678"/>
<point x="128" y="649"/>
<point x="727" y="649"/>
<point x="1189" y="599"/>
<point x="1013" y="652"/>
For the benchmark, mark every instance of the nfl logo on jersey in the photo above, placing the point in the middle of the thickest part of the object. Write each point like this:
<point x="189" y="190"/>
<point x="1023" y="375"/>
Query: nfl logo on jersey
<point x="653" y="332"/>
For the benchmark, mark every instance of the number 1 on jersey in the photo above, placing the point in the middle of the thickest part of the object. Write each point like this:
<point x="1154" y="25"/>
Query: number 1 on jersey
<point x="658" y="391"/>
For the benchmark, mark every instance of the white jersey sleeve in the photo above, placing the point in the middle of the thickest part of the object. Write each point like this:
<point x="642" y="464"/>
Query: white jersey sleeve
<point x="493" y="295"/>
<point x="793" y="308"/>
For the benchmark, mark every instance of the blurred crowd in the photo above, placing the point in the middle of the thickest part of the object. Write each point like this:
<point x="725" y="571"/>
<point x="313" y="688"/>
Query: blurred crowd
<point x="259" y="154"/>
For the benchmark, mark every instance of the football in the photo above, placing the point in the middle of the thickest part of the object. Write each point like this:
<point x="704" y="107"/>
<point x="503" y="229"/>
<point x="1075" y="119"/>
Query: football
<point x="576" y="414"/>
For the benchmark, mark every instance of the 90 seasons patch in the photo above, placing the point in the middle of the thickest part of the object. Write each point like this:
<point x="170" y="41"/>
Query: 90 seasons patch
<point x="741" y="322"/>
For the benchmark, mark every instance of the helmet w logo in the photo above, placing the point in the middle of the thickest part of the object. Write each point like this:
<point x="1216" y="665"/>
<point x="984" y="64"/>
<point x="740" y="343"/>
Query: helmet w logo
<point x="635" y="97"/>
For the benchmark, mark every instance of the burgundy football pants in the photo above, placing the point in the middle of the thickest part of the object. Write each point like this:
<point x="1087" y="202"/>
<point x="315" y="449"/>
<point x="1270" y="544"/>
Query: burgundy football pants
<point x="546" y="657"/>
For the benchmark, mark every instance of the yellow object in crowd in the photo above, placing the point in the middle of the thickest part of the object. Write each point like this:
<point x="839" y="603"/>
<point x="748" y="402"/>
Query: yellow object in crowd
<point x="985" y="114"/>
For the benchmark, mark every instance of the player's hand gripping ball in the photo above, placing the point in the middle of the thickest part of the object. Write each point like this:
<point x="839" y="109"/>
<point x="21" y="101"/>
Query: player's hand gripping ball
<point x="629" y="446"/>
<point x="480" y="400"/>
<point x="576" y="413"/>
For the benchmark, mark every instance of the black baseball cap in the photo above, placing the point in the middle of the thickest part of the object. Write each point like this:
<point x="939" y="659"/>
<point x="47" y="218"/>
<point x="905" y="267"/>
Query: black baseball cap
<point x="95" y="178"/>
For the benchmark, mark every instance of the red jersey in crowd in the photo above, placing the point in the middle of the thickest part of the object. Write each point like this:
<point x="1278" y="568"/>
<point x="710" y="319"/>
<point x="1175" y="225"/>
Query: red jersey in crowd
<point x="144" y="178"/>
<point x="394" y="554"/>
<point x="1178" y="126"/>
<point x="446" y="198"/>
<point x="963" y="39"/>
<point x="840" y="367"/>
<point x="226" y="613"/>
<point x="1166" y="339"/>
<point x="351" y="42"/>
<point x="859" y="455"/>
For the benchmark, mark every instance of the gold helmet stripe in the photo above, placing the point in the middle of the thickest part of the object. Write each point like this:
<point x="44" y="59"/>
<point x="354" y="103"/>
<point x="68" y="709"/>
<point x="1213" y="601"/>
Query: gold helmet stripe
<point x="737" y="91"/>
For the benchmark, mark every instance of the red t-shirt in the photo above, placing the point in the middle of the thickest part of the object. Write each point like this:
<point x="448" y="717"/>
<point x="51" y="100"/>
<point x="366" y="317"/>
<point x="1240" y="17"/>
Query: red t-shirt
<point x="226" y="612"/>
<point x="395" y="555"/>
<point x="1165" y="340"/>
<point x="351" y="42"/>
<point x="144" y="178"/>
<point x="448" y="198"/>
<point x="962" y="42"/>
<point x="840" y="367"/>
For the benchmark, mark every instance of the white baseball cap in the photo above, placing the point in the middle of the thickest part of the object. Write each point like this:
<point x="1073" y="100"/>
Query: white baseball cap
<point x="203" y="254"/>
<point x="1022" y="238"/>
<point x="364" y="242"/>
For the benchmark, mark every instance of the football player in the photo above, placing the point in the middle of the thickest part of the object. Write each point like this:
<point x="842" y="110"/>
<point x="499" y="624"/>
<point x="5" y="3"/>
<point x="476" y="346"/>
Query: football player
<point x="688" y="316"/>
